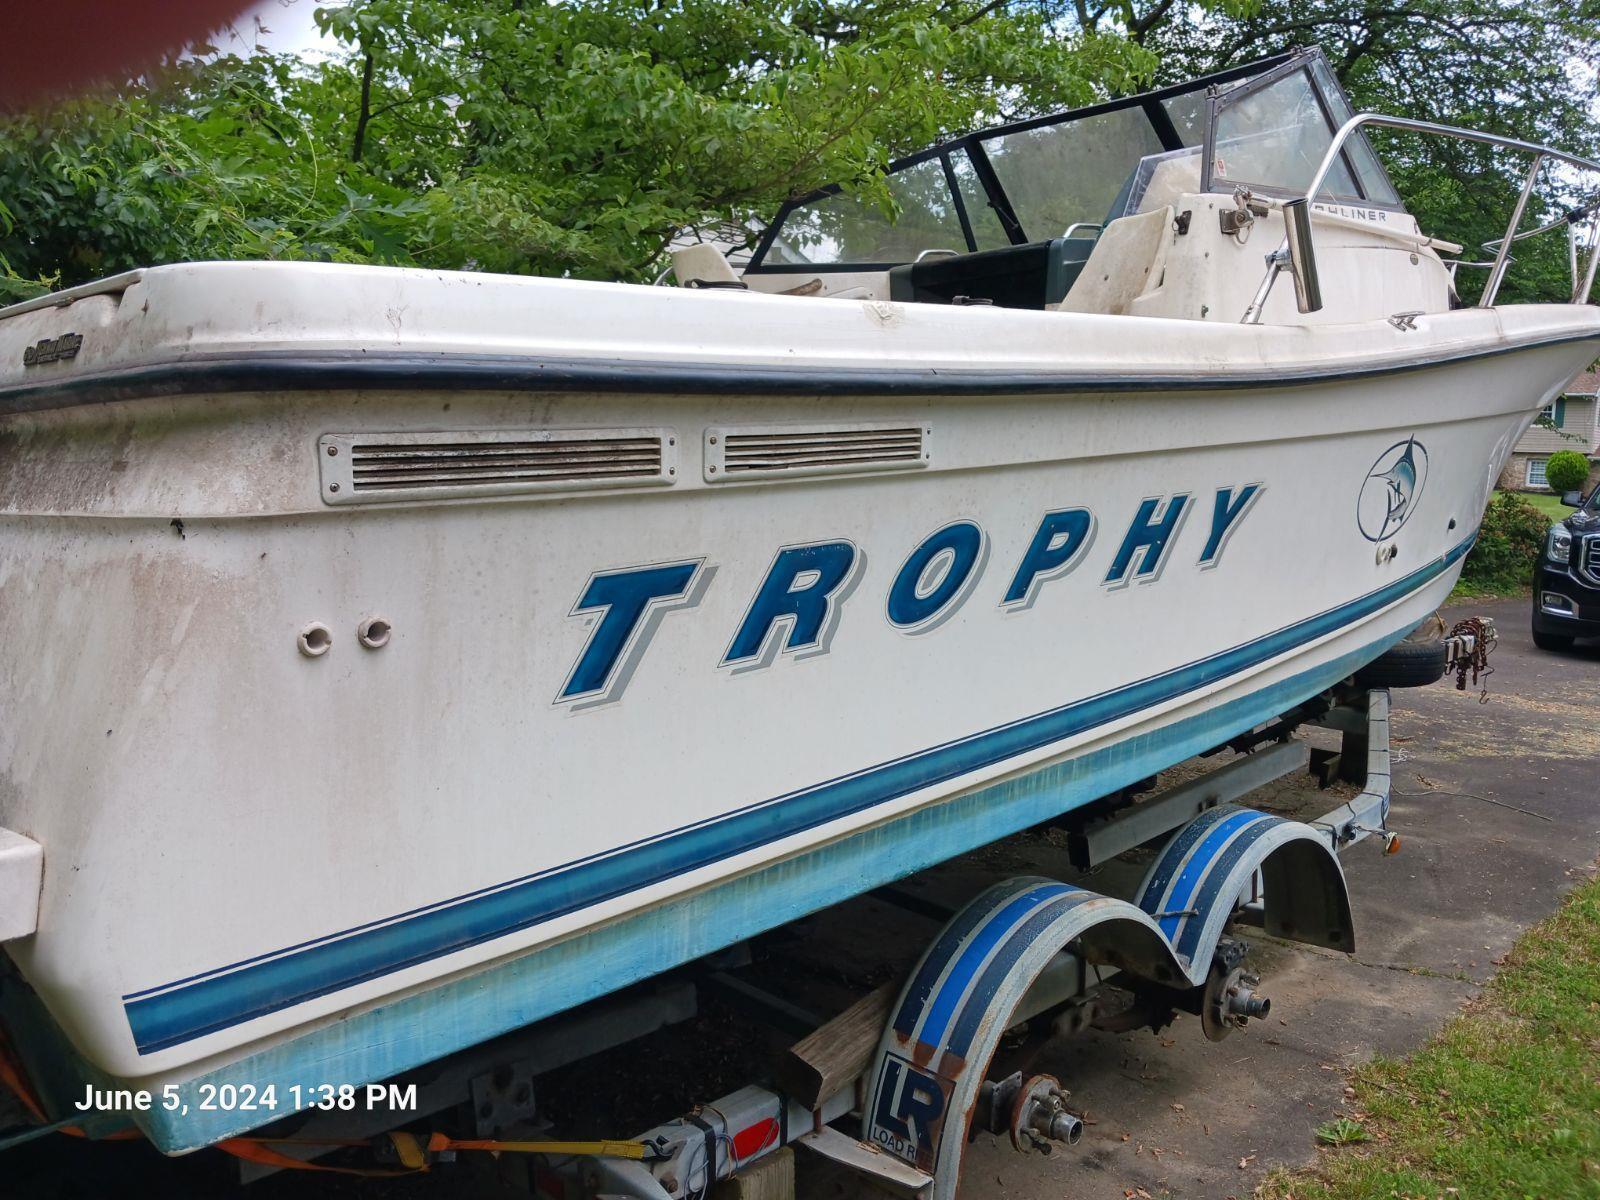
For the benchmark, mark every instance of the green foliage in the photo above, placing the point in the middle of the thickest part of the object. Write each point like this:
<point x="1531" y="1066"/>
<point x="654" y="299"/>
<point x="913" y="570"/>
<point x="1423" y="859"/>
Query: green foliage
<point x="571" y="138"/>
<point x="1566" y="471"/>
<point x="577" y="138"/>
<point x="1343" y="1132"/>
<point x="1510" y="541"/>
<point x="227" y="159"/>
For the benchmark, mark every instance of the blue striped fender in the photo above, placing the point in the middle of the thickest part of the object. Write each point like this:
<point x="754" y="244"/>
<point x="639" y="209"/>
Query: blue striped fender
<point x="948" y="1020"/>
<point x="1191" y="890"/>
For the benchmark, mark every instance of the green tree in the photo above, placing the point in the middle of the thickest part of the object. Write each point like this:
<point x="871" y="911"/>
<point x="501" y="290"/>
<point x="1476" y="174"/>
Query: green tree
<point x="571" y="138"/>
<point x="576" y="138"/>
<point x="225" y="159"/>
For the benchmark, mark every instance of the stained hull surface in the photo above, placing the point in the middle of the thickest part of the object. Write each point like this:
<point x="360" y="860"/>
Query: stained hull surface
<point x="267" y="866"/>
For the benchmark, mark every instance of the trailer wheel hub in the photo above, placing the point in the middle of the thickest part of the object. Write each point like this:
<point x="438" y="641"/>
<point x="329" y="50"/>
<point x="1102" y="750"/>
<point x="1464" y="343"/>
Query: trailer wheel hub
<point x="1039" y="1117"/>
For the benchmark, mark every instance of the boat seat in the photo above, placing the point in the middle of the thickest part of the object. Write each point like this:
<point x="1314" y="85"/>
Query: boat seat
<point x="1172" y="177"/>
<point x="703" y="265"/>
<point x="1034" y="275"/>
<point x="1126" y="261"/>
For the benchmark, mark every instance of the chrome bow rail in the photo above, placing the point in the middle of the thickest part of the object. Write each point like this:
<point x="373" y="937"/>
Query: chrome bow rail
<point x="1297" y="253"/>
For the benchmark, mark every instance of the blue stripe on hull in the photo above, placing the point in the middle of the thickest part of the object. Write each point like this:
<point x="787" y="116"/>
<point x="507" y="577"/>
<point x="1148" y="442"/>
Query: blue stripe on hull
<point x="404" y="1033"/>
<point x="277" y="371"/>
<point x="191" y="1010"/>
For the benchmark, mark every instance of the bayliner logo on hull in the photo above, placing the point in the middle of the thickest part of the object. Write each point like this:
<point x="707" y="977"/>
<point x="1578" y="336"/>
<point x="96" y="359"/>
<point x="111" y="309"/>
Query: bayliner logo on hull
<point x="1392" y="489"/>
<point x="49" y="350"/>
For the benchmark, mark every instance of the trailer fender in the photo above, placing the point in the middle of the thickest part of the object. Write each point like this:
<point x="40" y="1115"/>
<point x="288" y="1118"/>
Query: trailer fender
<point x="947" y="1022"/>
<point x="1196" y="881"/>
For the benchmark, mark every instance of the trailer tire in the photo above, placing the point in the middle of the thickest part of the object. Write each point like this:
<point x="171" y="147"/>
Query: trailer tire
<point x="1405" y="664"/>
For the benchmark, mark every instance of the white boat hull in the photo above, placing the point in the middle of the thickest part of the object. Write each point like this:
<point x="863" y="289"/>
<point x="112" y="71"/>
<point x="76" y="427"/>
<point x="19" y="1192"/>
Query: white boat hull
<point x="267" y="866"/>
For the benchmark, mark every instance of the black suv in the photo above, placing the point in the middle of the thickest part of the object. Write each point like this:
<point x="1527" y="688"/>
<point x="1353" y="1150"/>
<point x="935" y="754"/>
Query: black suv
<point x="1566" y="583"/>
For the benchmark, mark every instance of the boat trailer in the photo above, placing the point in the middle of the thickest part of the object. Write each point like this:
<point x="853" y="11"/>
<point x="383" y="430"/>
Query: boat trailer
<point x="894" y="1087"/>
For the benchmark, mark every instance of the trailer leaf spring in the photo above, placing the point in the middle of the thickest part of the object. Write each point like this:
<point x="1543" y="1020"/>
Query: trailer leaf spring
<point x="604" y="1148"/>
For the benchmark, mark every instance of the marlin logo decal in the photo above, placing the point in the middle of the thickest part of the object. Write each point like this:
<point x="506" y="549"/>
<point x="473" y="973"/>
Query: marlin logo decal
<point x="1391" y="490"/>
<point x="1402" y="481"/>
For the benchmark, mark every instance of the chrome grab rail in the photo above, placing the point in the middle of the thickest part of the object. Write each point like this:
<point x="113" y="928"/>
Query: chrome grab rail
<point x="1567" y="218"/>
<point x="1572" y="218"/>
<point x="1299" y="258"/>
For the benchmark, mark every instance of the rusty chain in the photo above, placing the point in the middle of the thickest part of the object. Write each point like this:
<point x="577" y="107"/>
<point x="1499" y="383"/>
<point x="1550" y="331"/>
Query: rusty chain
<point x="1478" y="661"/>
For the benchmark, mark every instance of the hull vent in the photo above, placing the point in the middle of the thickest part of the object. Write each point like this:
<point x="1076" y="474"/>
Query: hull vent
<point x="368" y="467"/>
<point x="733" y="453"/>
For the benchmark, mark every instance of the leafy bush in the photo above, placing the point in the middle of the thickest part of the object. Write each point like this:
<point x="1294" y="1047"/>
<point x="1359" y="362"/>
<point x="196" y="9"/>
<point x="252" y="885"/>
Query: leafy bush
<point x="1566" y="471"/>
<point x="1510" y="541"/>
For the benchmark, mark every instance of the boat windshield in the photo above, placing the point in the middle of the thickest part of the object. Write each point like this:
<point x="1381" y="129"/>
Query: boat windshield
<point x="1266" y="125"/>
<point x="1272" y="132"/>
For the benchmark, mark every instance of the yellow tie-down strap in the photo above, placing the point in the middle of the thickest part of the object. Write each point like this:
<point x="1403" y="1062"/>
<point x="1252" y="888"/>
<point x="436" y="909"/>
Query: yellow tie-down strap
<point x="600" y="1149"/>
<point x="415" y="1152"/>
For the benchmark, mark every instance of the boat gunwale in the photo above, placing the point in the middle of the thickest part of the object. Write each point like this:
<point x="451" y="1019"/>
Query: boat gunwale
<point x="356" y="369"/>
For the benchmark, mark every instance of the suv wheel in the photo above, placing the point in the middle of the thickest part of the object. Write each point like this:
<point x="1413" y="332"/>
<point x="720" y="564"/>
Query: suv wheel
<point x="1551" y="641"/>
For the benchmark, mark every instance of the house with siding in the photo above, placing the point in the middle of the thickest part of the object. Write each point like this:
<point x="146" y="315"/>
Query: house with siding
<point x="1572" y="423"/>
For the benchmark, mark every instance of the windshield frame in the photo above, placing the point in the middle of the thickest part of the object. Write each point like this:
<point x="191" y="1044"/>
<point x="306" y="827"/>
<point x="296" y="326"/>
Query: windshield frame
<point x="1297" y="62"/>
<point x="972" y="145"/>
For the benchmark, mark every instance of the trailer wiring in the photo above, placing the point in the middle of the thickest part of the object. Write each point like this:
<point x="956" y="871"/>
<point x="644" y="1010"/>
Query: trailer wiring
<point x="1473" y="796"/>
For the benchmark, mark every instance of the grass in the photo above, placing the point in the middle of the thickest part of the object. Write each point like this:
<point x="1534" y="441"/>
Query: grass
<point x="1549" y="505"/>
<point x="1343" y="1132"/>
<point x="1503" y="1104"/>
<point x="1466" y="590"/>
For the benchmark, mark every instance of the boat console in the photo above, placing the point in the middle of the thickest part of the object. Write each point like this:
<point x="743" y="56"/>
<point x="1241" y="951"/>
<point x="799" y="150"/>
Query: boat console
<point x="1011" y="216"/>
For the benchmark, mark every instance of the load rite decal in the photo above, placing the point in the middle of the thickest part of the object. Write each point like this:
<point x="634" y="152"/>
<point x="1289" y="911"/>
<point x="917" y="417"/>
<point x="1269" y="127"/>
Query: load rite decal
<point x="796" y="607"/>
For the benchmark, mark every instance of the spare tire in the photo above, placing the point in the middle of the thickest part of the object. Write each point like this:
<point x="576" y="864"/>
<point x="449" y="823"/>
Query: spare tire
<point x="1405" y="664"/>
